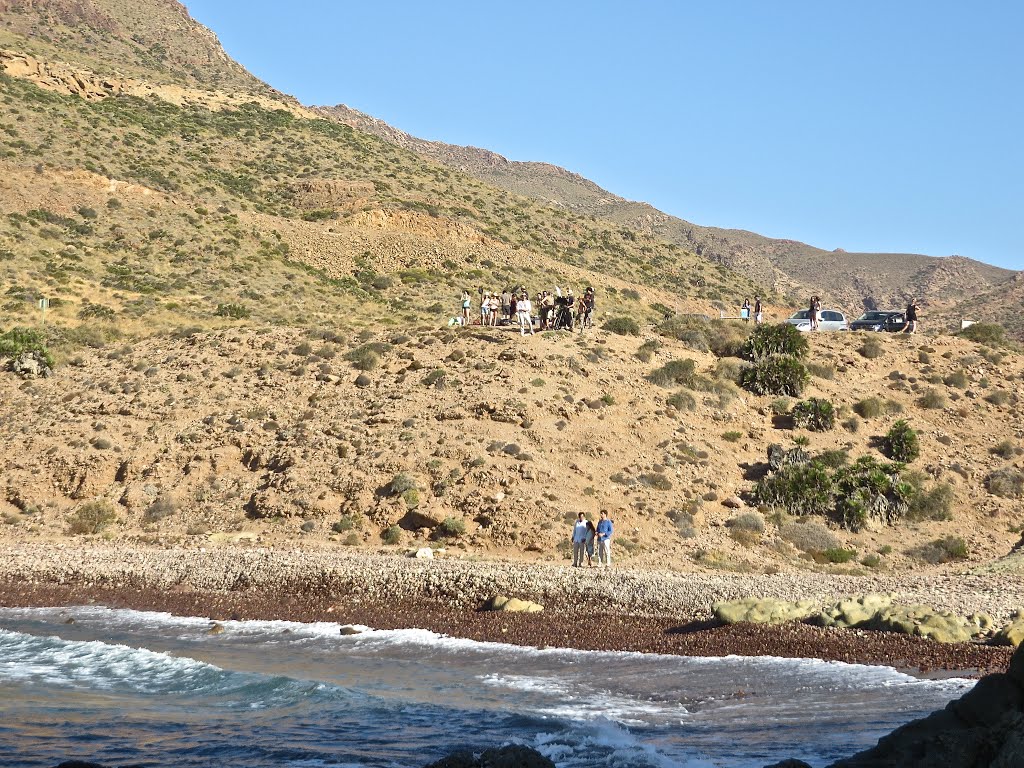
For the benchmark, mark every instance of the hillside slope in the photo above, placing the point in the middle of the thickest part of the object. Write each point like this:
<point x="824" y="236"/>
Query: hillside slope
<point x="853" y="281"/>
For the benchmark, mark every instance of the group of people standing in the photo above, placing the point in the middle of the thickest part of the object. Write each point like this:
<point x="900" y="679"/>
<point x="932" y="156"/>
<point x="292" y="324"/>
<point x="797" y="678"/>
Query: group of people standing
<point x="554" y="310"/>
<point x="757" y="311"/>
<point x="585" y="536"/>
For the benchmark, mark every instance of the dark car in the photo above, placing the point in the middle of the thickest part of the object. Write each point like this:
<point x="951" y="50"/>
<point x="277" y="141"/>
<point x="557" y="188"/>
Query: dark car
<point x="880" y="320"/>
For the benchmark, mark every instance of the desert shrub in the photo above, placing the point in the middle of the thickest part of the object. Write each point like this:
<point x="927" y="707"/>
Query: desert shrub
<point x="232" y="311"/>
<point x="775" y="375"/>
<point x="999" y="397"/>
<point x="674" y="372"/>
<point x="346" y="523"/>
<point x="821" y="371"/>
<point x="992" y="334"/>
<point x="647" y="350"/>
<point x="833" y="459"/>
<point x="391" y="535"/>
<point x="748" y="521"/>
<point x="729" y="369"/>
<point x="352" y="540"/>
<point x="1007" y="482"/>
<point x="19" y="340"/>
<point x="684" y="520"/>
<point x="944" y="550"/>
<point x="779" y="339"/>
<point x="681" y="401"/>
<point x="957" y="379"/>
<point x="411" y="498"/>
<point x="1007" y="449"/>
<point x="623" y="326"/>
<point x="872" y="347"/>
<point x="838" y="555"/>
<point x="656" y="480"/>
<point x="851" y="425"/>
<point x="781" y="406"/>
<point x="401" y="483"/>
<point x="935" y="503"/>
<point x="809" y="536"/>
<point x="366" y="357"/>
<point x="691" y="331"/>
<point x="923" y="357"/>
<point x="871" y="561"/>
<point x="932" y="399"/>
<point x="91" y="518"/>
<point x="873" y="407"/>
<point x="732" y="436"/>
<point x="901" y="442"/>
<point x="434" y="377"/>
<point x="726" y="338"/>
<point x="815" y="414"/>
<point x="450" y="528"/>
<point x="799" y="489"/>
<point x="163" y="506"/>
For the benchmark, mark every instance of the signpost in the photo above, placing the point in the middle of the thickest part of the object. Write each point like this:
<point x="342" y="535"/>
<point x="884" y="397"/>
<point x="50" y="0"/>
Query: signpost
<point x="44" y="304"/>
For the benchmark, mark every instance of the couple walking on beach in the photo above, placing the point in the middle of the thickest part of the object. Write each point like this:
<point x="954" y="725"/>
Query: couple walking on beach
<point x="584" y="537"/>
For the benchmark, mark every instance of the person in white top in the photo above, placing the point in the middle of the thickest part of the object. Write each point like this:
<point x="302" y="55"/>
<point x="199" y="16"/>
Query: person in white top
<point x="525" y="311"/>
<point x="579" y="541"/>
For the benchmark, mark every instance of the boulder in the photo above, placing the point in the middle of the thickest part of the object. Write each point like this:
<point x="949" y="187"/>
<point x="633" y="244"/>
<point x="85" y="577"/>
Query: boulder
<point x="856" y="612"/>
<point x="511" y="756"/>
<point x="767" y="610"/>
<point x="922" y="621"/>
<point x="512" y="605"/>
<point x="424" y="553"/>
<point x="1012" y="633"/>
<point x="31" y="365"/>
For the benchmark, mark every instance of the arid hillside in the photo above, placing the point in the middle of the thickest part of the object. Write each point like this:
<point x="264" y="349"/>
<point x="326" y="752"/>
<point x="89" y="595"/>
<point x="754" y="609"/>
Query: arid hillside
<point x="248" y="317"/>
<point x="852" y="282"/>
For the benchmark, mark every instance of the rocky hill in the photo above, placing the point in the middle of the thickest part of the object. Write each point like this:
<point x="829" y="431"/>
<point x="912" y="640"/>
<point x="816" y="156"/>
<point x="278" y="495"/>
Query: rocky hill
<point x="249" y="307"/>
<point x="852" y="281"/>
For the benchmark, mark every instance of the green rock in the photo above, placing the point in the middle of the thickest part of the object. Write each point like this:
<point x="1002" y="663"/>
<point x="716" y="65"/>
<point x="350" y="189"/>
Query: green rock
<point x="1012" y="633"/>
<point x="513" y="605"/>
<point x="767" y="610"/>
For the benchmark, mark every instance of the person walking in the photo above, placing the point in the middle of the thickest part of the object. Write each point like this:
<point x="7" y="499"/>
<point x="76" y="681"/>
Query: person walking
<point x="579" y="541"/>
<point x="911" y="326"/>
<point x="604" y="540"/>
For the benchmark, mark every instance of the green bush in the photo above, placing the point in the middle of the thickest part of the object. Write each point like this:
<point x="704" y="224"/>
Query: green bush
<point x="366" y="357"/>
<point x="233" y="311"/>
<point x="815" y="414"/>
<point x="19" y="340"/>
<point x="623" y="326"/>
<point x="901" y="442"/>
<point x="674" y="372"/>
<point x="992" y="334"/>
<point x="799" y="489"/>
<point x="870" y="490"/>
<point x="391" y="535"/>
<point x="775" y="375"/>
<point x="401" y="483"/>
<point x="780" y="339"/>
<point x="942" y="550"/>
<point x="748" y="521"/>
<point x="732" y="436"/>
<point x="450" y="528"/>
<point x="838" y="555"/>
<point x="681" y="401"/>
<point x="936" y="503"/>
<point x="957" y="379"/>
<point x="1007" y="449"/>
<point x="873" y="407"/>
<point x="91" y="518"/>
<point x="999" y="397"/>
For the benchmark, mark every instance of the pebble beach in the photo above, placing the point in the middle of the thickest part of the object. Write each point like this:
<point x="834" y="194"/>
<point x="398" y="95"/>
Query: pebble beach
<point x="599" y="609"/>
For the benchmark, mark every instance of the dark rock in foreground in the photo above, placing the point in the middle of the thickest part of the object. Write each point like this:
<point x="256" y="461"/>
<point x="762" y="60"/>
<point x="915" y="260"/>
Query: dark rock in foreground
<point x="512" y="756"/>
<point x="984" y="728"/>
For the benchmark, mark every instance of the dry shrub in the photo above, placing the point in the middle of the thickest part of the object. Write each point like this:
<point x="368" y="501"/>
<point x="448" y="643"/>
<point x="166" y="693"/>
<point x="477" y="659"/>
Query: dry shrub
<point x="809" y="536"/>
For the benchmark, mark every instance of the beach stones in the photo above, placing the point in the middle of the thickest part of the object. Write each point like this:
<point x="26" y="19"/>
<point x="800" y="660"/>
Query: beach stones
<point x="512" y="605"/>
<point x="767" y="610"/>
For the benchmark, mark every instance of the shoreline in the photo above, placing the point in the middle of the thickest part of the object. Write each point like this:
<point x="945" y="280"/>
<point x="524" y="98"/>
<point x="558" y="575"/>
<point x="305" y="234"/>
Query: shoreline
<point x="617" y="610"/>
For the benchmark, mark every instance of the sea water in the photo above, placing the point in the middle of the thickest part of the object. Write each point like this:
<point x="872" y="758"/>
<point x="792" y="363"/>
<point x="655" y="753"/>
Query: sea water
<point x="123" y="687"/>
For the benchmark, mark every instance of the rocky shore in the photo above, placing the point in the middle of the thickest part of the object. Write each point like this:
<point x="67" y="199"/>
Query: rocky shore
<point x="612" y="609"/>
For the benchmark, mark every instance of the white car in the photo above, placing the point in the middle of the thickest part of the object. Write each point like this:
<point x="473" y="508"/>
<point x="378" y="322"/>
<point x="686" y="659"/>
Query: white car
<point x="828" y="320"/>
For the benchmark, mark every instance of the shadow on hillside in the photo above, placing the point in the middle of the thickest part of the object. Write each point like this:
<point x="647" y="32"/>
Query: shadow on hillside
<point x="752" y="472"/>
<point x="693" y="626"/>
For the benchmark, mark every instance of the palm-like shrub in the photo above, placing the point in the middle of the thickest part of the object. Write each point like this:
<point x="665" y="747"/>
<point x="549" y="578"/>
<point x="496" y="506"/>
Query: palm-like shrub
<point x="901" y="443"/>
<point x="780" y="339"/>
<point x="815" y="414"/>
<point x="775" y="375"/>
<point x="800" y="489"/>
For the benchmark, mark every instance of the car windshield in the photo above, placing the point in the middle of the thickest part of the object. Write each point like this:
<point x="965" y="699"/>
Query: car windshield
<point x="803" y="314"/>
<point x="875" y="316"/>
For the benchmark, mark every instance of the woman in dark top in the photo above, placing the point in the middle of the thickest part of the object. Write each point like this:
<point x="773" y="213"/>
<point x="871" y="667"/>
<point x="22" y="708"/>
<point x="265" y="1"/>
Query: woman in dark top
<point x="912" y="317"/>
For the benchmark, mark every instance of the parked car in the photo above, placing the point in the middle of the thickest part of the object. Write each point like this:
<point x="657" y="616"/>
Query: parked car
<point x="828" y="320"/>
<point x="890" y="321"/>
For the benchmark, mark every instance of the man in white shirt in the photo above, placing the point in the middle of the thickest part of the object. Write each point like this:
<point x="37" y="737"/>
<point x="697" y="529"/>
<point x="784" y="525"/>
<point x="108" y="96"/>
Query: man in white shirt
<point x="579" y="541"/>
<point x="524" y="308"/>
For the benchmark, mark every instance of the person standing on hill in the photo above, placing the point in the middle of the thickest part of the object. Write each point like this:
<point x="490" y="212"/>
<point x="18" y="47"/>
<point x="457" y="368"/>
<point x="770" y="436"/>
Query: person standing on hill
<point x="524" y="309"/>
<point x="579" y="541"/>
<point x="465" y="307"/>
<point x="604" y="540"/>
<point x="812" y="312"/>
<point x="591" y="540"/>
<point x="758" y="314"/>
<point x="911" y="326"/>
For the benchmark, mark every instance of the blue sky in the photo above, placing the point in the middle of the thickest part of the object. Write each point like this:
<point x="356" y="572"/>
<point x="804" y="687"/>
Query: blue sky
<point x="874" y="126"/>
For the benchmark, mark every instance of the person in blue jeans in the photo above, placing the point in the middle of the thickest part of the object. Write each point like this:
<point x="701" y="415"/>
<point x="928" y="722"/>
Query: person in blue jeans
<point x="604" y="540"/>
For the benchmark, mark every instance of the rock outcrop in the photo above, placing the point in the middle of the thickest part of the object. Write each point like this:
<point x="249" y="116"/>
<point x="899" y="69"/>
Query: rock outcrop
<point x="762" y="610"/>
<point x="511" y="756"/>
